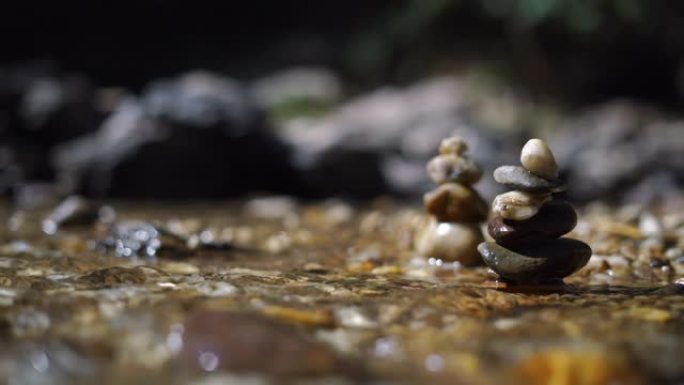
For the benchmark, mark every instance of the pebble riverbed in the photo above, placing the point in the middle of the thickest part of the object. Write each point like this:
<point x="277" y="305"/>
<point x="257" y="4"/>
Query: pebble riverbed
<point x="273" y="291"/>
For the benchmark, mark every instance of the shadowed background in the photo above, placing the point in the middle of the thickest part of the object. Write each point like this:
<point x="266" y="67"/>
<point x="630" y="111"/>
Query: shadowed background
<point x="172" y="99"/>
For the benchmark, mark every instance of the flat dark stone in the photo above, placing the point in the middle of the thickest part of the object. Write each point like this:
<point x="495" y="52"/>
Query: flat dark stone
<point x="541" y="262"/>
<point x="553" y="220"/>
<point x="519" y="178"/>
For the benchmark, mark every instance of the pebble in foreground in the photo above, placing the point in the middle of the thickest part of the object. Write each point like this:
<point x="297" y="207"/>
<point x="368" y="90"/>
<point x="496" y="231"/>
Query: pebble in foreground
<point x="529" y="222"/>
<point x="457" y="209"/>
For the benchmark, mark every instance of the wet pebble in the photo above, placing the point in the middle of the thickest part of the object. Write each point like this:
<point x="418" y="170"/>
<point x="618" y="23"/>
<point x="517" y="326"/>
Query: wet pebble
<point x="452" y="202"/>
<point x="519" y="178"/>
<point x="554" y="219"/>
<point x="217" y="340"/>
<point x="518" y="205"/>
<point x="134" y="239"/>
<point x="450" y="242"/>
<point x="540" y="262"/>
<point x="537" y="158"/>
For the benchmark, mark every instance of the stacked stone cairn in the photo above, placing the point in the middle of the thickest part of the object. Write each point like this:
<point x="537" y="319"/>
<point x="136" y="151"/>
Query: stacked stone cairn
<point x="457" y="209"/>
<point x="528" y="223"/>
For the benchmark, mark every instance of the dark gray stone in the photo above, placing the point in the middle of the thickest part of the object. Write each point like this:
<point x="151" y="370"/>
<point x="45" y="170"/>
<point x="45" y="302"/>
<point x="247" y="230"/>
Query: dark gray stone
<point x="541" y="262"/>
<point x="201" y="99"/>
<point x="519" y="178"/>
<point x="554" y="219"/>
<point x="136" y="155"/>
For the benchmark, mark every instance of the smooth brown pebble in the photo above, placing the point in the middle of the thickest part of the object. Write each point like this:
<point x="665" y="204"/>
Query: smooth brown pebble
<point x="453" y="202"/>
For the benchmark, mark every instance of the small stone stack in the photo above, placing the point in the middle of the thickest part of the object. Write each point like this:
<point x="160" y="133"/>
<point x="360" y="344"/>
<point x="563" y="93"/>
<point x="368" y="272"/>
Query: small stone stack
<point x="458" y="210"/>
<point x="529" y="223"/>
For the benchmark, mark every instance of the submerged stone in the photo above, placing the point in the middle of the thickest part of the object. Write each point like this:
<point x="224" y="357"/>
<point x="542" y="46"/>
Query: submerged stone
<point x="536" y="263"/>
<point x="220" y="340"/>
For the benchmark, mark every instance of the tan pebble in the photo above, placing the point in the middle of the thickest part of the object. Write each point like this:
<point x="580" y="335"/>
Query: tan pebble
<point x="180" y="268"/>
<point x="537" y="158"/>
<point x="31" y="272"/>
<point x="387" y="270"/>
<point x="323" y="318"/>
<point x="590" y="366"/>
<point x="453" y="202"/>
<point x="453" y="145"/>
<point x="361" y="266"/>
<point x="450" y="242"/>
<point x="518" y="205"/>
<point x="278" y="243"/>
<point x="617" y="228"/>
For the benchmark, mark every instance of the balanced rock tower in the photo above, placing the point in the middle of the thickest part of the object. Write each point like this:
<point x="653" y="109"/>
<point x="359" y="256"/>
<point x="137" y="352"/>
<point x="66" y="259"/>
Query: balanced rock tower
<point x="457" y="209"/>
<point x="529" y="222"/>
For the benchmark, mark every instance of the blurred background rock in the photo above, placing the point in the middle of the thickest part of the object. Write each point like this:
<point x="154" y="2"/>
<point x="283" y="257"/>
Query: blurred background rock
<point x="210" y="99"/>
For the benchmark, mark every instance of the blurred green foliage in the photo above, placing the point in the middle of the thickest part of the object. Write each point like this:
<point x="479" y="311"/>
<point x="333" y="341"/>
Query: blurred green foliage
<point x="572" y="49"/>
<point x="298" y="107"/>
<point x="575" y="15"/>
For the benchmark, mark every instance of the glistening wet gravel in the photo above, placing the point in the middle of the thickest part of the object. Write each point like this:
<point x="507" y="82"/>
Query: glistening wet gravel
<point x="272" y="291"/>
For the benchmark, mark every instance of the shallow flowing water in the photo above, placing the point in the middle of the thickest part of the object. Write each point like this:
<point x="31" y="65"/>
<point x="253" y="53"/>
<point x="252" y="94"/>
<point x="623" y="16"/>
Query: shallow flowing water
<point x="271" y="291"/>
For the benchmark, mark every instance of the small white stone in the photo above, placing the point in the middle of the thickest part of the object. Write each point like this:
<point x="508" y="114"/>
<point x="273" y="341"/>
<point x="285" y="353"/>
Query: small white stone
<point x="450" y="242"/>
<point x="518" y="205"/>
<point x="650" y="225"/>
<point x="537" y="158"/>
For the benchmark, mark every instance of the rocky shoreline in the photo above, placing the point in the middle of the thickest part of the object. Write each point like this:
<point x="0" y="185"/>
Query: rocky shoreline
<point x="299" y="132"/>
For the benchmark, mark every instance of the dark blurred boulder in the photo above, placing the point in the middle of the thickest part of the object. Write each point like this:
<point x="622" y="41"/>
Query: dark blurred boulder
<point x="380" y="142"/>
<point x="39" y="109"/>
<point x="202" y="100"/>
<point x="196" y="136"/>
<point x="610" y="151"/>
<point x="10" y="171"/>
<point x="87" y="163"/>
<point x="58" y="109"/>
